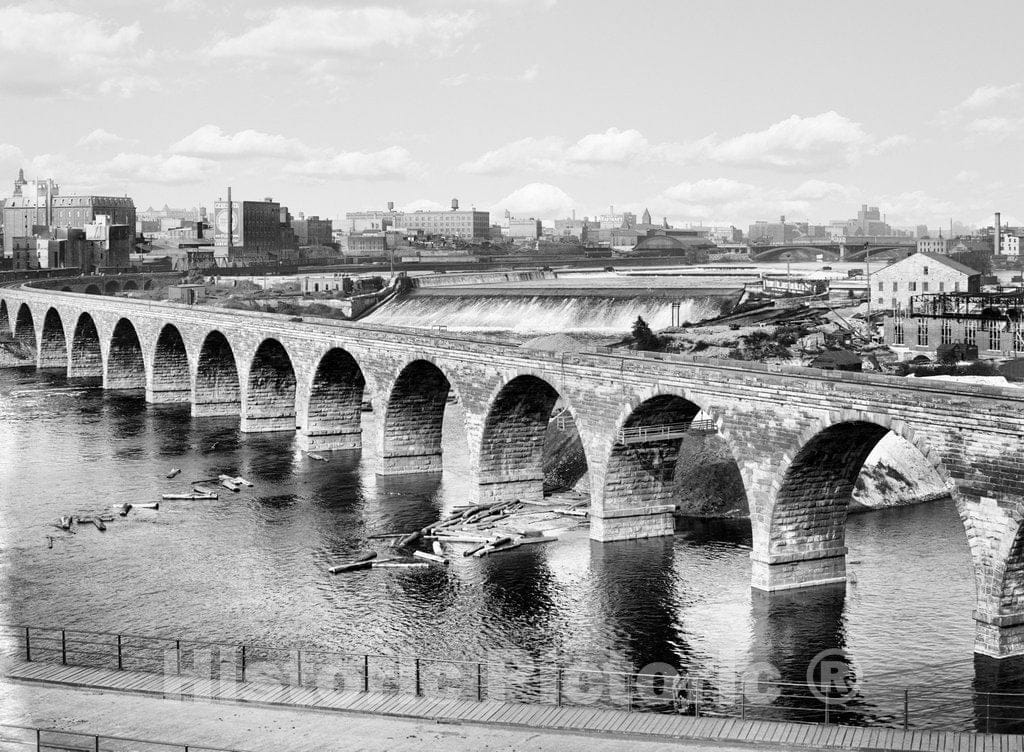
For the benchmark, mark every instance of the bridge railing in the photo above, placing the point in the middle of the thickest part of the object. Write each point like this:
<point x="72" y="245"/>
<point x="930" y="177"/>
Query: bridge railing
<point x="17" y="738"/>
<point x="664" y="432"/>
<point x="885" y="701"/>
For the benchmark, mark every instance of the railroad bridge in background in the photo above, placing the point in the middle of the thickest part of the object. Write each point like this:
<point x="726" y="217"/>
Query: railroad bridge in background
<point x="799" y="436"/>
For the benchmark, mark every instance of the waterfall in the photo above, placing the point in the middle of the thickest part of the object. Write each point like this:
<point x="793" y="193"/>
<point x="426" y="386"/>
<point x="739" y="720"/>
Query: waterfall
<point x="543" y="314"/>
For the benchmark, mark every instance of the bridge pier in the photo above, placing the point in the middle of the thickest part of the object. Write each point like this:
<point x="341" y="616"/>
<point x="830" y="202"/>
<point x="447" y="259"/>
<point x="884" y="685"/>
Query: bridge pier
<point x="633" y="524"/>
<point x="509" y="490"/>
<point x="267" y="423"/>
<point x="326" y="439"/>
<point x="804" y="570"/>
<point x="215" y="409"/>
<point x="167" y="396"/>
<point x="403" y="464"/>
<point x="999" y="636"/>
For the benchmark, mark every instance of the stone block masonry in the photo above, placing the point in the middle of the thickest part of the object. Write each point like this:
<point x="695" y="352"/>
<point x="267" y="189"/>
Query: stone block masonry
<point x="798" y="437"/>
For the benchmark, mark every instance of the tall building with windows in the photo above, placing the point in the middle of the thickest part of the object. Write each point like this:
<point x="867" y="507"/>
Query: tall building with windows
<point x="36" y="208"/>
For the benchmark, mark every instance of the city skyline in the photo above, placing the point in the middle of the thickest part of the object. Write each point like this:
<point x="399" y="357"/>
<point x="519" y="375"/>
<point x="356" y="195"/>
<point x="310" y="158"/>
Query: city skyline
<point x="502" y="105"/>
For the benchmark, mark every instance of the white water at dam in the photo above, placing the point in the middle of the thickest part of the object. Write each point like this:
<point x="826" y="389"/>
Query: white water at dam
<point x="543" y="314"/>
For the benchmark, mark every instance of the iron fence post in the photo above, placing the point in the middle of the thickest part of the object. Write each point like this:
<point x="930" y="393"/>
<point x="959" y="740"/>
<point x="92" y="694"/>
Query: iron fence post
<point x="28" y="646"/>
<point x="96" y="743"/>
<point x="826" y="710"/>
<point x="243" y="663"/>
<point x="366" y="672"/>
<point x="417" y="677"/>
<point x="743" y="701"/>
<point x="120" y="662"/>
<point x="558" y="686"/>
<point x="629" y="694"/>
<point x="298" y="665"/>
<point x="479" y="683"/>
<point x="63" y="648"/>
<point x="177" y="655"/>
<point x="39" y="740"/>
<point x="906" y="708"/>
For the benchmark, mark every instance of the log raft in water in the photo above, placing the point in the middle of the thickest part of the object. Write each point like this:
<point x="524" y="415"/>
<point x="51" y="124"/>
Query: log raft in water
<point x="125" y="509"/>
<point x="174" y="471"/>
<point x="430" y="557"/>
<point x="185" y="497"/>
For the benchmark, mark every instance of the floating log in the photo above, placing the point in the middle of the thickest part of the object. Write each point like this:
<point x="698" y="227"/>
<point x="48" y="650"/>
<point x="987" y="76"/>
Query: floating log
<point x="385" y="536"/>
<point x="125" y="509"/>
<point x="205" y="491"/>
<point x="65" y="523"/>
<point x="411" y="538"/>
<point x="351" y="567"/>
<point x="317" y="457"/>
<point x="186" y="497"/>
<point x="362" y="561"/>
<point x="174" y="471"/>
<point x="461" y="538"/>
<point x="152" y="505"/>
<point x="399" y="564"/>
<point x="230" y="486"/>
<point x="242" y="481"/>
<point x="100" y="524"/>
<point x="437" y="548"/>
<point x="430" y="557"/>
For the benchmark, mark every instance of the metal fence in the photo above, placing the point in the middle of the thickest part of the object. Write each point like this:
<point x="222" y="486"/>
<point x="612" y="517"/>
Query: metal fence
<point x="882" y="701"/>
<point x="31" y="739"/>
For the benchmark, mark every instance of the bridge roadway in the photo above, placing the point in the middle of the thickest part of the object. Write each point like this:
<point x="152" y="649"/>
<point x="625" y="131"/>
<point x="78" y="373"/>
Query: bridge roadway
<point x="799" y="436"/>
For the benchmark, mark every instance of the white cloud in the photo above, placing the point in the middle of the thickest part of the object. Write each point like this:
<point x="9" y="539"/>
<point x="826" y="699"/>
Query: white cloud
<point x="210" y="141"/>
<point x="310" y="32"/>
<point x="800" y="143"/>
<point x="967" y="176"/>
<point x="988" y="95"/>
<point x="49" y="53"/>
<point x="995" y="128"/>
<point x="124" y="171"/>
<point x="9" y="152"/>
<point x="611" y="147"/>
<point x="724" y="200"/>
<point x="813" y="143"/>
<point x="100" y="138"/>
<point x="528" y="76"/>
<point x="539" y="200"/>
<point x="456" y="80"/>
<point x="394" y="162"/>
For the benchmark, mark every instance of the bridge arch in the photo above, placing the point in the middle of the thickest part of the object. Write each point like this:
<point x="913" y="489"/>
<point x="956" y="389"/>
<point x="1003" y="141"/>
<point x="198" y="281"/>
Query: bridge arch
<point x="111" y="287"/>
<point x="86" y="355"/>
<point x="148" y="285"/>
<point x="93" y="289"/>
<point x="270" y="390"/>
<point x="664" y="443"/>
<point x="126" y="364"/>
<point x="799" y="537"/>
<point x="217" y="390"/>
<point x="53" y="345"/>
<point x="170" y="381"/>
<point x="5" y="318"/>
<point x="65" y="288"/>
<point x="515" y="431"/>
<point x="334" y="408"/>
<point x="411" y="428"/>
<point x="130" y="284"/>
<point x="25" y="329"/>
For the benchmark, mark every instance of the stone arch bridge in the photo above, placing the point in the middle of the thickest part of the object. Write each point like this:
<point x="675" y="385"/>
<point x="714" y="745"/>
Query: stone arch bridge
<point x="799" y="436"/>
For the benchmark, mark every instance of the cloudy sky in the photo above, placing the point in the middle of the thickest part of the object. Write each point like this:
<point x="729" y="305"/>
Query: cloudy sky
<point x="721" y="111"/>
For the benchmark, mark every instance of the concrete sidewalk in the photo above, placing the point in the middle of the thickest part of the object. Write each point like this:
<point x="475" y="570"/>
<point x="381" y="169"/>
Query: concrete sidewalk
<point x="264" y="729"/>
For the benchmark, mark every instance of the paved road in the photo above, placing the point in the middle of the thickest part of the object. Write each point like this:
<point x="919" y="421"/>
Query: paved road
<point x="281" y="730"/>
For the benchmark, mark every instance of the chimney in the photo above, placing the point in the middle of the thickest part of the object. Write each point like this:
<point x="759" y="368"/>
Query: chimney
<point x="996" y="245"/>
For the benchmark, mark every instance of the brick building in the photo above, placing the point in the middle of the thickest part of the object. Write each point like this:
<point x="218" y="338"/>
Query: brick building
<point x="893" y="286"/>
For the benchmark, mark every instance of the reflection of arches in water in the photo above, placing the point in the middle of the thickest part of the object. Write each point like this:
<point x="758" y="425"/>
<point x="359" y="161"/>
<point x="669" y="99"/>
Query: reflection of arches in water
<point x="635" y="583"/>
<point x="998" y="694"/>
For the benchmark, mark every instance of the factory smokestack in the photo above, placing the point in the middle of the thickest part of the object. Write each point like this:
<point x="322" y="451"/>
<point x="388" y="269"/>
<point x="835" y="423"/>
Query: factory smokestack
<point x="231" y="222"/>
<point x="999" y="232"/>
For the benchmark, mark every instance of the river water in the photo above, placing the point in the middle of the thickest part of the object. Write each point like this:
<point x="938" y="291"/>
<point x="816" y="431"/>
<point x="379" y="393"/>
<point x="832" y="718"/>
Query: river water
<point x="251" y="566"/>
